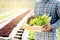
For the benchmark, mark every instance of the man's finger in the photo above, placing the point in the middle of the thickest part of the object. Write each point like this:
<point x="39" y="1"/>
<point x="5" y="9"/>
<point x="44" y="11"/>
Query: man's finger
<point x="46" y="30"/>
<point x="45" y="27"/>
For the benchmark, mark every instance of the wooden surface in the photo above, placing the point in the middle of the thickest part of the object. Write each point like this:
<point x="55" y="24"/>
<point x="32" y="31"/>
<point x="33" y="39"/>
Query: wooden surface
<point x="34" y="28"/>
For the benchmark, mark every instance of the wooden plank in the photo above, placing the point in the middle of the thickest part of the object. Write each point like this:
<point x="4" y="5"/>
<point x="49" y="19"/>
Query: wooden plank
<point x="33" y="28"/>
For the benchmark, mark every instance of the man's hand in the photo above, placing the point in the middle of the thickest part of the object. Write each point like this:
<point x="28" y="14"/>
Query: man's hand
<point x="47" y="28"/>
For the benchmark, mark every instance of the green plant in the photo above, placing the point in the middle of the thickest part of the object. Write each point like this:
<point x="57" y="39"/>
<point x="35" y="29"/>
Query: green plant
<point x="40" y="20"/>
<point x="31" y="35"/>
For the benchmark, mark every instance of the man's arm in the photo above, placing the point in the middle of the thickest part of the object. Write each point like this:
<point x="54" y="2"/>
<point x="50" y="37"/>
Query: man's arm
<point x="57" y="24"/>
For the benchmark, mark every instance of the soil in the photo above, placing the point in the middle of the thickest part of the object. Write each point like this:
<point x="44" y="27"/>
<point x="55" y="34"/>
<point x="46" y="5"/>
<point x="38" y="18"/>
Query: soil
<point x="7" y="29"/>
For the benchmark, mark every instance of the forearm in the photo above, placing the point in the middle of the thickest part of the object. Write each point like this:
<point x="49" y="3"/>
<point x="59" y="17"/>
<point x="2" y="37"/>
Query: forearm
<point x="56" y="25"/>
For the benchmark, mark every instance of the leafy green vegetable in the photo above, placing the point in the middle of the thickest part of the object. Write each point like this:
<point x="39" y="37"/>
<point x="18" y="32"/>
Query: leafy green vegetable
<point x="40" y="20"/>
<point x="31" y="35"/>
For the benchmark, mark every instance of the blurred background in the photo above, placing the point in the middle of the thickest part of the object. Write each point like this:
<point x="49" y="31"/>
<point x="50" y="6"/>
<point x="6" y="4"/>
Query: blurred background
<point x="8" y="5"/>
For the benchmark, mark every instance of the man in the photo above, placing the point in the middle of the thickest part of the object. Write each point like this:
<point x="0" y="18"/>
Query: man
<point x="51" y="7"/>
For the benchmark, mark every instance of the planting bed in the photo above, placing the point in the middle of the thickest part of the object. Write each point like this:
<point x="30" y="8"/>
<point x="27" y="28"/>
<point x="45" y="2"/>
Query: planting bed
<point x="7" y="29"/>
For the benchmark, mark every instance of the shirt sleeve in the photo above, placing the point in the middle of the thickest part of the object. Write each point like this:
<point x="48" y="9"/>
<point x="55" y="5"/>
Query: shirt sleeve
<point x="57" y="24"/>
